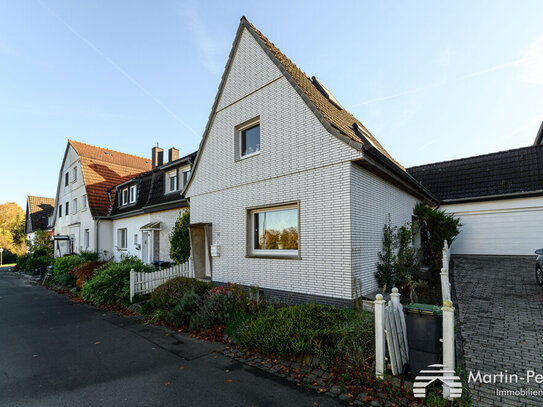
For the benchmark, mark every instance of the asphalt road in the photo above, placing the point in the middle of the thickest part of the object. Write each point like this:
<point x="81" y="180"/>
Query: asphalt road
<point x="55" y="352"/>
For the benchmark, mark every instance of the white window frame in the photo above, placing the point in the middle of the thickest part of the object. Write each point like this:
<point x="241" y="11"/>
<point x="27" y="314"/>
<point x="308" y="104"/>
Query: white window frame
<point x="74" y="205"/>
<point x="185" y="181"/>
<point x="74" y="174"/>
<point x="124" y="196"/>
<point x="120" y="233"/>
<point x="239" y="136"/>
<point x="132" y="194"/>
<point x="60" y="211"/>
<point x="84" y="202"/>
<point x="286" y="254"/>
<point x="169" y="176"/>
<point x="86" y="239"/>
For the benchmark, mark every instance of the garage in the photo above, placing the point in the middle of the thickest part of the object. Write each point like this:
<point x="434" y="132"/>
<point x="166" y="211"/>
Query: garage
<point x="498" y="198"/>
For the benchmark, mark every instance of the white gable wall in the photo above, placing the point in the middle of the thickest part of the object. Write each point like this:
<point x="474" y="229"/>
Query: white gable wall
<point x="373" y="200"/>
<point x="299" y="161"/>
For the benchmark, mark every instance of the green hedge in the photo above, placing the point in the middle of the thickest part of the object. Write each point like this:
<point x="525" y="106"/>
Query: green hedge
<point x="111" y="282"/>
<point x="168" y="295"/>
<point x="63" y="265"/>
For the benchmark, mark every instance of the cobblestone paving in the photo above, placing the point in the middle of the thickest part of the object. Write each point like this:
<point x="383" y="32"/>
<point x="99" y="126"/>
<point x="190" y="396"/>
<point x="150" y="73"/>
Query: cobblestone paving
<point x="501" y="315"/>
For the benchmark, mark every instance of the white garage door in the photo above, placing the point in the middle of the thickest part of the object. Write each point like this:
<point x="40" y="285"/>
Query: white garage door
<point x="503" y="227"/>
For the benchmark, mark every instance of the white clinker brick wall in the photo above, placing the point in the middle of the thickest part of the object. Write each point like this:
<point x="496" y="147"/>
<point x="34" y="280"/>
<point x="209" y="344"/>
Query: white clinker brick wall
<point x="372" y="200"/>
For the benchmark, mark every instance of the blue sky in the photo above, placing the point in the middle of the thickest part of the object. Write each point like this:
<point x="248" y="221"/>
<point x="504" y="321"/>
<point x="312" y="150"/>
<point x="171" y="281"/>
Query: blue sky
<point x="432" y="80"/>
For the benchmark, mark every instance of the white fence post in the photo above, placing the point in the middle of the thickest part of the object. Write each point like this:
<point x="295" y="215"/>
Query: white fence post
<point x="132" y="284"/>
<point x="379" y="304"/>
<point x="448" y="342"/>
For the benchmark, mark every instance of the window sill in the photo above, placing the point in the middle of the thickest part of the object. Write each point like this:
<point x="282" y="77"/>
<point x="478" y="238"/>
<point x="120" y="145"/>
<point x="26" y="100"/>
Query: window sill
<point x="275" y="257"/>
<point x="243" y="157"/>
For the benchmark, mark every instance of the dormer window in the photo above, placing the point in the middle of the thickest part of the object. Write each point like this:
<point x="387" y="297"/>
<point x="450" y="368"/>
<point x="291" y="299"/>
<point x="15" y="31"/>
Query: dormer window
<point x="124" y="196"/>
<point x="249" y="139"/>
<point x="132" y="194"/>
<point x="186" y="176"/>
<point x="171" y="181"/>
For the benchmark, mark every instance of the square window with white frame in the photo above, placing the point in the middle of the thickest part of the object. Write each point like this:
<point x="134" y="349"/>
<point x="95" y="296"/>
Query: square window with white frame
<point x="249" y="138"/>
<point x="121" y="239"/>
<point x="171" y="181"/>
<point x="274" y="231"/>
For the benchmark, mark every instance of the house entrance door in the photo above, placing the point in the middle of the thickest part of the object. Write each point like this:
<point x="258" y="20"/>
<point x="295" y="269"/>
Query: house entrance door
<point x="145" y="247"/>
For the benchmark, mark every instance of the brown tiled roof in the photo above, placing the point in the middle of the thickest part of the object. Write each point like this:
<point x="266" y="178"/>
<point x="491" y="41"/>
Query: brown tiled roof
<point x="104" y="169"/>
<point x="39" y="210"/>
<point x="338" y="118"/>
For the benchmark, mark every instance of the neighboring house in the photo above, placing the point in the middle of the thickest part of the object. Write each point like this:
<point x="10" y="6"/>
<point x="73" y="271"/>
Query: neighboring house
<point x="289" y="191"/>
<point x="498" y="198"/>
<point x="145" y="208"/>
<point x="86" y="175"/>
<point x="39" y="215"/>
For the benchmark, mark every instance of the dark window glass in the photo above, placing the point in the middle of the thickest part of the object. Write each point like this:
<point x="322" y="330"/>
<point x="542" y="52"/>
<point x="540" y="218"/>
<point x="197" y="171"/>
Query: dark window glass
<point x="67" y="209"/>
<point x="250" y="140"/>
<point x="186" y="176"/>
<point x="66" y="179"/>
<point x="60" y="211"/>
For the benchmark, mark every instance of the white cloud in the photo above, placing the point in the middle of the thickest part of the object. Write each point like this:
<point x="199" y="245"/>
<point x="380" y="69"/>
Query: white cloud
<point x="532" y="63"/>
<point x="208" y="47"/>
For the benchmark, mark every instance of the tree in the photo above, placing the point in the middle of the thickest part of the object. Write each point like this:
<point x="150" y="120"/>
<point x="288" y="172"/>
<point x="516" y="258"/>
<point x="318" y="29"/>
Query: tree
<point x="180" y="239"/>
<point x="42" y="241"/>
<point x="12" y="219"/>
<point x="386" y="274"/>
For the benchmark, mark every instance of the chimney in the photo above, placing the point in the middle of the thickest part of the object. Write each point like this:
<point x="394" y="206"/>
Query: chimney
<point x="173" y="154"/>
<point x="158" y="156"/>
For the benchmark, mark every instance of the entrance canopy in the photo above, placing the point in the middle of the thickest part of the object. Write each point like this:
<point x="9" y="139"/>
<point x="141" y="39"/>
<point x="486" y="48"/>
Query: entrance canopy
<point x="151" y="226"/>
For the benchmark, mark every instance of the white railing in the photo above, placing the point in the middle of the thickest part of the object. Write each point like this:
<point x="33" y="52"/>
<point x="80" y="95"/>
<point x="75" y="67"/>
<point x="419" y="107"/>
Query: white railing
<point x="448" y="319"/>
<point x="144" y="283"/>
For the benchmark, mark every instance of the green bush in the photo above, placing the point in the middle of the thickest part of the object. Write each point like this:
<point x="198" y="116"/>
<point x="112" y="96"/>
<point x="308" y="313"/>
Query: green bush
<point x="22" y="261"/>
<point x="89" y="256"/>
<point x="180" y="240"/>
<point x="355" y="340"/>
<point x="236" y="323"/>
<point x="188" y="305"/>
<point x="168" y="295"/>
<point x="111" y="282"/>
<point x="294" y="331"/>
<point x="63" y="265"/>
<point x="43" y="261"/>
<point x="39" y="253"/>
<point x="217" y="308"/>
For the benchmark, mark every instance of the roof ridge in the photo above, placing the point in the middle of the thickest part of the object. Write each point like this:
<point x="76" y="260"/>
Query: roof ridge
<point x="41" y="197"/>
<point x="477" y="156"/>
<point x="108" y="149"/>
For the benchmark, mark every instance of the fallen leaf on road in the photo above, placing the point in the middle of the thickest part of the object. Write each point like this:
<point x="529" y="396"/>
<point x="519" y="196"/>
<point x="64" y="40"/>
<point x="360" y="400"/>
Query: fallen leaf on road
<point x="181" y="367"/>
<point x="228" y="380"/>
<point x="167" y="384"/>
<point x="315" y="403"/>
<point x="227" y="371"/>
<point x="97" y="343"/>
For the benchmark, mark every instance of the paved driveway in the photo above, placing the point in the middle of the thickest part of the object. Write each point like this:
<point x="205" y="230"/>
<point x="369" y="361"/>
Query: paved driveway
<point x="501" y="314"/>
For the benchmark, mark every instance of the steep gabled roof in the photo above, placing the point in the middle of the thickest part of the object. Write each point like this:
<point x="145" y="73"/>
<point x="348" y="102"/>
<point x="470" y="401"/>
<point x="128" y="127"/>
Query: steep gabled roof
<point x="327" y="108"/>
<point x="103" y="169"/>
<point x="38" y="210"/>
<point x="334" y="118"/>
<point x="517" y="172"/>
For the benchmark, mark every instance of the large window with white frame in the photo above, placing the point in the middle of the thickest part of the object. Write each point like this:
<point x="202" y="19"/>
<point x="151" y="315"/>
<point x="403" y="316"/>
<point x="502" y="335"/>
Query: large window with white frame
<point x="248" y="136"/>
<point x="121" y="239"/>
<point x="274" y="231"/>
<point x="171" y="181"/>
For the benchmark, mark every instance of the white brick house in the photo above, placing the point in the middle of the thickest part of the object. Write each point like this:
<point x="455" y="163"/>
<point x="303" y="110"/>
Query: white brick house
<point x="289" y="191"/>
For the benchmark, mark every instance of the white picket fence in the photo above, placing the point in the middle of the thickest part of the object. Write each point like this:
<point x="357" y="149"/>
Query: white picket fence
<point x="390" y="326"/>
<point x="144" y="283"/>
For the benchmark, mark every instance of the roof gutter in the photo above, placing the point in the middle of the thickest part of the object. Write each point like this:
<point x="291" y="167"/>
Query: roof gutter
<point x="496" y="197"/>
<point x="384" y="165"/>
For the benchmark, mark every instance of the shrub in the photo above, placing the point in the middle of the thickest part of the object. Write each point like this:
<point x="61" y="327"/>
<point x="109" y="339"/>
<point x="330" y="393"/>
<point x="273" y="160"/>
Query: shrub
<point x="43" y="261"/>
<point x="294" y="331"/>
<point x="85" y="271"/>
<point x="39" y="253"/>
<point x="168" y="295"/>
<point x="180" y="240"/>
<point x="111" y="282"/>
<point x="63" y="265"/>
<point x="236" y="323"/>
<point x="89" y="256"/>
<point x="217" y="308"/>
<point x="22" y="261"/>
<point x="386" y="274"/>
<point x="355" y="340"/>
<point x="436" y="226"/>
<point x="188" y="305"/>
